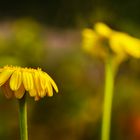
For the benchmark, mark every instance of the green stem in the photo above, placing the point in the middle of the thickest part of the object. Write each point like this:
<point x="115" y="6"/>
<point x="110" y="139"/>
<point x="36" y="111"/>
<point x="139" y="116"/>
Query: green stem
<point x="23" y="118"/>
<point x="107" y="106"/>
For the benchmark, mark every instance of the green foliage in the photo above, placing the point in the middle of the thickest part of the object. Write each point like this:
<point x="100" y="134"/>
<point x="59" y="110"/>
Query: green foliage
<point x="21" y="44"/>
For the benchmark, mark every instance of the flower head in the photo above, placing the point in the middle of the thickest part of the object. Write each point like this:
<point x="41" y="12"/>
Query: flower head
<point x="14" y="81"/>
<point x="102" y="41"/>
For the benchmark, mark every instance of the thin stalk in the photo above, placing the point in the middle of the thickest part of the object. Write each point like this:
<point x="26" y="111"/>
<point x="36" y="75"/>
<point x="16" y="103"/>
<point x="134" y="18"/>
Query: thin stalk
<point x="23" y="118"/>
<point x="108" y="97"/>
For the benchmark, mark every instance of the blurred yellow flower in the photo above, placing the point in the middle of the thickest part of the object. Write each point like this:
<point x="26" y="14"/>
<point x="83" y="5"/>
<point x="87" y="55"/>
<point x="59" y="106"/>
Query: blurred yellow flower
<point x="123" y="43"/>
<point x="14" y="81"/>
<point x="103" y="41"/>
<point x="92" y="44"/>
<point x="103" y="30"/>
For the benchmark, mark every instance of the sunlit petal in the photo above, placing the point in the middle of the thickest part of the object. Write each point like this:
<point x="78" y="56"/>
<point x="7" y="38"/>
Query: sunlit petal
<point x="52" y="82"/>
<point x="42" y="79"/>
<point x="37" y="81"/>
<point x="103" y="29"/>
<point x="49" y="90"/>
<point x="132" y="46"/>
<point x="116" y="43"/>
<point x="5" y="75"/>
<point x="89" y="40"/>
<point x="32" y="92"/>
<point x="15" y="80"/>
<point x="27" y="80"/>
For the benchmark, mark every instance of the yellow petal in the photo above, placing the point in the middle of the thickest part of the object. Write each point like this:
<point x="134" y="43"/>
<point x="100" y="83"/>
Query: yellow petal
<point x="49" y="89"/>
<point x="27" y="80"/>
<point x="37" y="81"/>
<point x="41" y="84"/>
<point x="5" y="75"/>
<point x="6" y="90"/>
<point x="15" y="80"/>
<point x="122" y="43"/>
<point x="32" y="92"/>
<point x="42" y="79"/>
<point x="116" y="43"/>
<point x="103" y="29"/>
<point x="20" y="92"/>
<point x="42" y="93"/>
<point x="89" y="40"/>
<point x="52" y="82"/>
<point x="132" y="46"/>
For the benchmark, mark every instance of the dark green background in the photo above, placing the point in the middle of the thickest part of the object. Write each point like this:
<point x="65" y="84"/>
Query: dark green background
<point x="47" y="34"/>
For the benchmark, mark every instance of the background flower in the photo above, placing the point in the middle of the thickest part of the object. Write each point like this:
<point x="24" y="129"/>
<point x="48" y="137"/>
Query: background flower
<point x="103" y="42"/>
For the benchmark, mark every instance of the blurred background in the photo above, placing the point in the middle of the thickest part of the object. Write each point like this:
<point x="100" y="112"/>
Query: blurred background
<point x="48" y="35"/>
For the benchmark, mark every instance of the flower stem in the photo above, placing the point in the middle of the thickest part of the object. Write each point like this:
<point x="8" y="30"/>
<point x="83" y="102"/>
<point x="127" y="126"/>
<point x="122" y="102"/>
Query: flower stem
<point x="107" y="106"/>
<point x="23" y="118"/>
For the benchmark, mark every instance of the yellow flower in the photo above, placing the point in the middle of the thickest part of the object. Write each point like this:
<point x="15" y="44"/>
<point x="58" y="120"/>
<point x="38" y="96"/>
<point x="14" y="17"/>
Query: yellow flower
<point x="92" y="43"/>
<point x="89" y="39"/>
<point x="103" y="30"/>
<point x="103" y="41"/>
<point x="14" y="81"/>
<point x="123" y="43"/>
